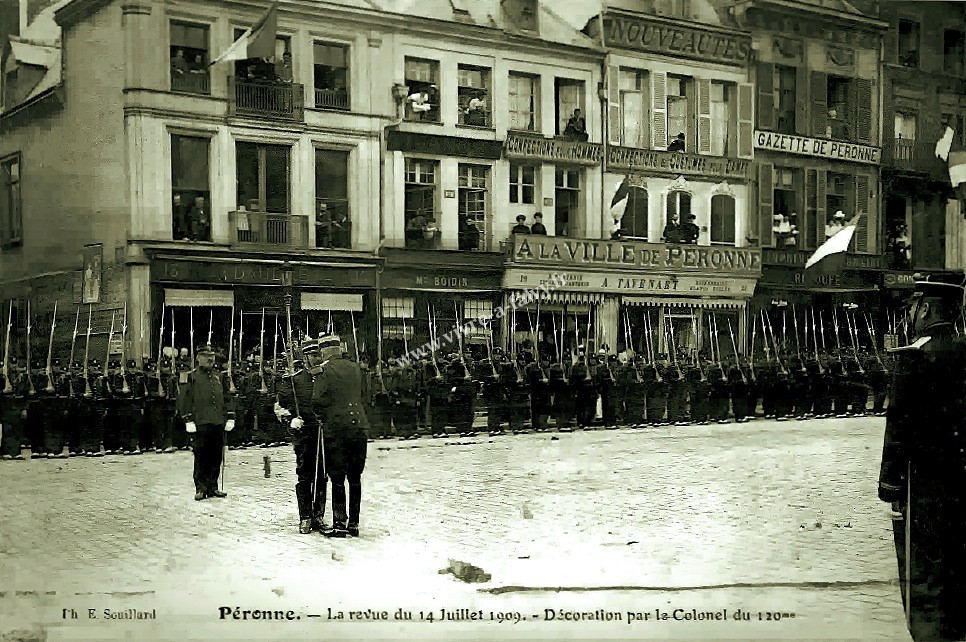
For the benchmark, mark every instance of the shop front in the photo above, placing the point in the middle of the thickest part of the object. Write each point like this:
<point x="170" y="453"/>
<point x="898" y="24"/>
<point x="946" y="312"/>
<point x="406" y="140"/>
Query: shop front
<point x="617" y="295"/>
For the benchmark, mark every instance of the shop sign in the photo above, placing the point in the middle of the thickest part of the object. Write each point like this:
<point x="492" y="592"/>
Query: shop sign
<point x="454" y="280"/>
<point x="168" y="270"/>
<point x="677" y="163"/>
<point x="654" y="35"/>
<point x="433" y="144"/>
<point x="642" y="283"/>
<point x="899" y="280"/>
<point x="829" y="149"/>
<point x="552" y="149"/>
<point x="800" y="257"/>
<point x="631" y="255"/>
<point x="804" y="279"/>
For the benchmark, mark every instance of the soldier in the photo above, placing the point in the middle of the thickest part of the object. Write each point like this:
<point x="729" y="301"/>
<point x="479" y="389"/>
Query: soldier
<point x="295" y="396"/>
<point x="438" y="392"/>
<point x="35" y="406"/>
<point x="208" y="414"/>
<point x="156" y="419"/>
<point x="12" y="408"/>
<point x="720" y="393"/>
<point x="923" y="470"/>
<point x="464" y="391"/>
<point x="406" y="388"/>
<point x="265" y="396"/>
<point x="492" y="395"/>
<point x="516" y="393"/>
<point x="180" y="437"/>
<point x="740" y="387"/>
<point x="859" y="389"/>
<point x="799" y="389"/>
<point x="677" y="396"/>
<point x="821" y="387"/>
<point x="128" y="408"/>
<point x="75" y="390"/>
<point x="55" y="402"/>
<point x="337" y="403"/>
<point x="611" y="400"/>
<point x="235" y="381"/>
<point x="657" y="399"/>
<point x="634" y="392"/>
<point x="91" y="439"/>
<point x="585" y="380"/>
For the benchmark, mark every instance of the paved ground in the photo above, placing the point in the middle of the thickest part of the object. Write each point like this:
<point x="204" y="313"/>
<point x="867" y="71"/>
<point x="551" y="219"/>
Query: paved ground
<point x="779" y="520"/>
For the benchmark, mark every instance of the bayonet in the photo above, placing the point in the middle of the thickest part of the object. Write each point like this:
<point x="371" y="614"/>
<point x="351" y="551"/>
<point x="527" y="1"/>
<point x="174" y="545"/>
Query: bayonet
<point x="50" y="354"/>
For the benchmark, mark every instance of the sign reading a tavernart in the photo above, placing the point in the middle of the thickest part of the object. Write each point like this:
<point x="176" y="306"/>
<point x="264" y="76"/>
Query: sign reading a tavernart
<point x="565" y="252"/>
<point x="633" y="284"/>
<point x="830" y="149"/>
<point x="655" y="35"/>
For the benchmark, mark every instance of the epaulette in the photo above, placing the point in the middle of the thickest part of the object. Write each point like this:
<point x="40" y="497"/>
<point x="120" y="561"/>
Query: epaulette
<point x="916" y="345"/>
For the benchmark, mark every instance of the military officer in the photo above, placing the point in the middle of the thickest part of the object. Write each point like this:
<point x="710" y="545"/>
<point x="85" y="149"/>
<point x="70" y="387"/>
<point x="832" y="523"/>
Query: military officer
<point x="923" y="470"/>
<point x="337" y="403"/>
<point x="208" y="414"/>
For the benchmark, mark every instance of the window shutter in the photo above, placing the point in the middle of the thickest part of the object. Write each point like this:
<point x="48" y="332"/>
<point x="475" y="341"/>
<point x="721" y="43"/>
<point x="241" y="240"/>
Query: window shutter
<point x="819" y="100"/>
<point x="766" y="196"/>
<point x="862" y="207"/>
<point x="766" y="95"/>
<point x="746" y="124"/>
<point x="614" y="123"/>
<point x="815" y="203"/>
<point x="863" y="120"/>
<point x="704" y="116"/>
<point x="801" y="101"/>
<point x="659" y="111"/>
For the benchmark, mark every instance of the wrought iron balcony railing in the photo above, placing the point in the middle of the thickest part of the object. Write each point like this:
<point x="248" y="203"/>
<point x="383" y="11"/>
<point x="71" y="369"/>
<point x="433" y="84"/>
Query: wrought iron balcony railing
<point x="268" y="229"/>
<point x="266" y="99"/>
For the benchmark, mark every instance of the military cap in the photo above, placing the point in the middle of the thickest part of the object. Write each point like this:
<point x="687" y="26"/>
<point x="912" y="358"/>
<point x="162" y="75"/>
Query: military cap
<point x="310" y="346"/>
<point x="114" y="363"/>
<point x="132" y="363"/>
<point x="207" y="349"/>
<point x="329" y="341"/>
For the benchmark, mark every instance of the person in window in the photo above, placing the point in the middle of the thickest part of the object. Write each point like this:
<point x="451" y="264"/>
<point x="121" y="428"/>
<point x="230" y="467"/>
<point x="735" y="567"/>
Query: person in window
<point x="677" y="145"/>
<point x="179" y="65"/>
<point x="198" y="65"/>
<point x="672" y="231"/>
<point x="538" y="226"/>
<point x="690" y="230"/>
<point x="576" y="127"/>
<point x="179" y="219"/>
<point x="341" y="229"/>
<point x="415" y="229"/>
<point x="616" y="232"/>
<point x="836" y="225"/>
<point x="323" y="226"/>
<point x="200" y="221"/>
<point x="476" y="112"/>
<point x="901" y="249"/>
<point x="521" y="226"/>
<point x="469" y="235"/>
<point x="786" y="233"/>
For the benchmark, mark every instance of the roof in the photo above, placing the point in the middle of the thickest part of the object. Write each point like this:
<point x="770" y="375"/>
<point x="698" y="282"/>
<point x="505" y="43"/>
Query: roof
<point x="28" y="53"/>
<point x="50" y="80"/>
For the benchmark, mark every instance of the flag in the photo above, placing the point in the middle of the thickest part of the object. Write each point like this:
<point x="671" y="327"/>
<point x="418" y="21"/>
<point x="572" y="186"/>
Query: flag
<point x="944" y="143"/>
<point x="619" y="203"/>
<point x="957" y="168"/>
<point x="830" y="256"/>
<point x="256" y="42"/>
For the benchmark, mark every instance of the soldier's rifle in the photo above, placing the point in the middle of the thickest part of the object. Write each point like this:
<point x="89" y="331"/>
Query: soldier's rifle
<point x="174" y="357"/>
<point x="70" y="361"/>
<point x="587" y="376"/>
<point x="697" y="357"/>
<point x="533" y="339"/>
<point x="379" y="373"/>
<point x="774" y="343"/>
<point x="241" y="337"/>
<point x="157" y="371"/>
<point x="49" y="372"/>
<point x="629" y="342"/>
<point x="798" y="345"/>
<point x="125" y="388"/>
<point x="290" y="358"/>
<point x="405" y="336"/>
<point x="355" y="338"/>
<point x="674" y="350"/>
<point x="821" y="368"/>
<point x="838" y="340"/>
<point x="536" y="348"/>
<point x="107" y="356"/>
<point x="872" y="337"/>
<point x="275" y="351"/>
<point x="751" y="352"/>
<point x="141" y="364"/>
<point x="854" y="333"/>
<point x="231" y="354"/>
<point x="821" y="326"/>
<point x="717" y="348"/>
<point x="431" y="325"/>
<point x="734" y="345"/>
<point x="87" y="353"/>
<point x="191" y="335"/>
<point x="31" y="390"/>
<point x="261" y="357"/>
<point x="652" y="353"/>
<point x="7" y="385"/>
<point x="489" y="352"/>
<point x="459" y="339"/>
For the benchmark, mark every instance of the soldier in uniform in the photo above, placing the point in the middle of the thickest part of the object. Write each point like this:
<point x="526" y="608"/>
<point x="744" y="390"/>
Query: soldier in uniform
<point x="677" y="396"/>
<point x="720" y="393"/>
<point x="156" y="415"/>
<point x="611" y="401"/>
<point x="516" y="393"/>
<point x="236" y="382"/>
<point x="634" y="392"/>
<point x="699" y="391"/>
<point x="128" y="408"/>
<point x="438" y="391"/>
<point x="56" y="420"/>
<point x="464" y="391"/>
<point x="657" y="399"/>
<point x="584" y="377"/>
<point x="208" y="414"/>
<point x="492" y="395"/>
<point x="923" y="470"/>
<point x="12" y="406"/>
<point x="91" y="439"/>
<point x="264" y="394"/>
<point x="740" y="387"/>
<point x="337" y="403"/>
<point x="540" y="399"/>
<point x="34" y="421"/>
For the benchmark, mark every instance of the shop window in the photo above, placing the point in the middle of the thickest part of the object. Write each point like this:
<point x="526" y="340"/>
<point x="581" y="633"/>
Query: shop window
<point x="422" y="231"/>
<point x="473" y="96"/>
<point x="566" y="201"/>
<point x="422" y="78"/>
<point x="722" y="220"/>
<point x="837" y="125"/>
<point x="523" y="100"/>
<point x="678" y="211"/>
<point x="722" y="119"/>
<point x="331" y="75"/>
<point x="569" y="100"/>
<point x="274" y="70"/>
<point x="480" y="311"/>
<point x="954" y="48"/>
<point x="11" y="213"/>
<point x="262" y="173"/>
<point x="333" y="227"/>
<point x="522" y="183"/>
<point x="908" y="41"/>
<point x="473" y="226"/>
<point x="678" y="112"/>
<point x="191" y="196"/>
<point x="785" y="99"/>
<point x="398" y="322"/>
<point x="635" y="223"/>
<point x="189" y="58"/>
<point x="635" y="115"/>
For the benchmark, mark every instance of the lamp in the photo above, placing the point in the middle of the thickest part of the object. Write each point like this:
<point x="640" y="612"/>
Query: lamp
<point x="400" y="92"/>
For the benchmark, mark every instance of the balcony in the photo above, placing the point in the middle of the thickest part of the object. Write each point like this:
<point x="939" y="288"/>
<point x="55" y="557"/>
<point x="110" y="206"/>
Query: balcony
<point x="264" y="99"/>
<point x="193" y="82"/>
<point x="268" y="230"/>
<point x="332" y="99"/>
<point x="914" y="156"/>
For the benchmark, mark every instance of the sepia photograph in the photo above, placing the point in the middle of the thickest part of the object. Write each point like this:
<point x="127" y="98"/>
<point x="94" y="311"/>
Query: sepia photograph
<point x="482" y="320"/>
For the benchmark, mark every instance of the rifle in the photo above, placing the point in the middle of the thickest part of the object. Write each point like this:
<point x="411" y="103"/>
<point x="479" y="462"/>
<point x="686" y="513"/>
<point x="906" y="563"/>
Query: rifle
<point x="838" y="341"/>
<point x="734" y="345"/>
<point x="191" y="335"/>
<point x="536" y="346"/>
<point x="775" y="344"/>
<point x="7" y="386"/>
<point x="651" y="353"/>
<point x="674" y="350"/>
<point x="30" y="381"/>
<point x="261" y="357"/>
<point x="798" y="346"/>
<point x="107" y="357"/>
<point x="406" y="335"/>
<point x="87" y="352"/>
<point x="231" y="357"/>
<point x="854" y="334"/>
<point x="174" y="357"/>
<point x="144" y="374"/>
<point x="161" y="392"/>
<point x="275" y="351"/>
<point x="382" y="382"/>
<point x="697" y="357"/>
<point x="290" y="357"/>
<point x="459" y="337"/>
<point x="431" y="326"/>
<point x="50" y="354"/>
<point x="821" y="369"/>
<point x="489" y="352"/>
<point x="717" y="348"/>
<point x="868" y="325"/>
<point x="70" y="361"/>
<point x="125" y="388"/>
<point x="751" y="352"/>
<point x="587" y="350"/>
<point x="628" y="341"/>
<point x="241" y="336"/>
<point x="764" y="336"/>
<point x="355" y="339"/>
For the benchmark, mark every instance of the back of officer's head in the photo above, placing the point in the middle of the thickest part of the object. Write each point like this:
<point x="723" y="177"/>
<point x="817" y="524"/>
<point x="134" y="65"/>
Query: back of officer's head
<point x="936" y="303"/>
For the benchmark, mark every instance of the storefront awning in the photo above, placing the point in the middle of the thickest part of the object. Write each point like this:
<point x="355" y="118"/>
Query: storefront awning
<point x="175" y="298"/>
<point x="683" y="302"/>
<point x="331" y="301"/>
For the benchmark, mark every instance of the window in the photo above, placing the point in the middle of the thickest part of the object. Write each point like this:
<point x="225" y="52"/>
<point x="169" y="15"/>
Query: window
<point x="836" y="190"/>
<point x="789" y="221"/>
<point x="635" y="222"/>
<point x="839" y="108"/>
<point x="191" y="196"/>
<point x="785" y="99"/>
<point x="954" y="48"/>
<point x="677" y="108"/>
<point x="420" y="204"/>
<point x="189" y="58"/>
<point x="11" y="212"/>
<point x="905" y="126"/>
<point x="472" y="207"/>
<point x="473" y="96"/>
<point x="262" y="174"/>
<point x="635" y="118"/>
<point x="908" y="43"/>
<point x="722" y="219"/>
<point x="333" y="227"/>
<point x="397" y="321"/>
<point x="722" y="101"/>
<point x="958" y="124"/>
<point x="678" y="211"/>
<point x="331" y="76"/>
<point x="422" y="78"/>
<point x="523" y="101"/>
<point x="477" y="309"/>
<point x="523" y="180"/>
<point x="569" y="99"/>
<point x="277" y="69"/>
<point x="566" y="201"/>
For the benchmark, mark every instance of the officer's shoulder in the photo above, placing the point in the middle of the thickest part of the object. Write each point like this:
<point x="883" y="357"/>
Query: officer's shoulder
<point x="916" y="347"/>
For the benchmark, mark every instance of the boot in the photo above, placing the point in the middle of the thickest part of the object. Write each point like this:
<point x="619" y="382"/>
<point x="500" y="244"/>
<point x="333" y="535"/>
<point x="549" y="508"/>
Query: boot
<point x="305" y="526"/>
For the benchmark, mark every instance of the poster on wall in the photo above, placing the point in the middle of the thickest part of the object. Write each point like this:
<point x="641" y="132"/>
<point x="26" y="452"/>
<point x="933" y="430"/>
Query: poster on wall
<point x="93" y="266"/>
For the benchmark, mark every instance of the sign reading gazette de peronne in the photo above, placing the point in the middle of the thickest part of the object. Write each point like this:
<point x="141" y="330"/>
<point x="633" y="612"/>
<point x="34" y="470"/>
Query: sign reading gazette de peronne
<point x="568" y="253"/>
<point x="831" y="149"/>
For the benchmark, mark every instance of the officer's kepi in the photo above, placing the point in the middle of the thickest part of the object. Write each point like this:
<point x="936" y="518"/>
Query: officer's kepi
<point x="948" y="292"/>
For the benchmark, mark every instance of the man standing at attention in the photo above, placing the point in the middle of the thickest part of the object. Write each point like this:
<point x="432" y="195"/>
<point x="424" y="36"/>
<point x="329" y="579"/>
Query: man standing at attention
<point x="337" y="402"/>
<point x="207" y="411"/>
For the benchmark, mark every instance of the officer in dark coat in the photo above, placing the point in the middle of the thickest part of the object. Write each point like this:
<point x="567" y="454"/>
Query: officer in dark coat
<point x="338" y="405"/>
<point x="923" y="471"/>
<point x="208" y="413"/>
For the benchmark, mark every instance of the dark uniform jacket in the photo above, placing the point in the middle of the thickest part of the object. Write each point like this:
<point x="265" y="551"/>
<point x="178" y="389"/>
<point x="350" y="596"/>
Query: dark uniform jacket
<point x="204" y="399"/>
<point x="337" y="399"/>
